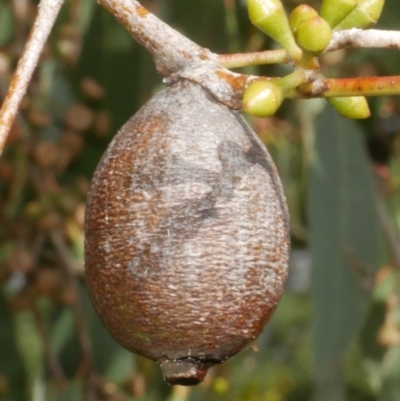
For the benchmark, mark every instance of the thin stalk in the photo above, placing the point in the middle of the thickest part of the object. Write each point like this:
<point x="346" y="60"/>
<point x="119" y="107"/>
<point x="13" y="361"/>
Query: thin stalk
<point x="364" y="86"/>
<point x="238" y="60"/>
<point x="45" y="18"/>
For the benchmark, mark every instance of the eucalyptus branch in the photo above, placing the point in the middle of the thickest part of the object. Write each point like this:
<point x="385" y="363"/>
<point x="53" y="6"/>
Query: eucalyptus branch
<point x="171" y="50"/>
<point x="359" y="38"/>
<point x="176" y="56"/>
<point x="46" y="16"/>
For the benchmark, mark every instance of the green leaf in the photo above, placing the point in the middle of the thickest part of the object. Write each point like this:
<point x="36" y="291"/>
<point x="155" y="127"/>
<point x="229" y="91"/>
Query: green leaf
<point x="62" y="329"/>
<point x="344" y="244"/>
<point x="30" y="346"/>
<point x="73" y="391"/>
<point x="11" y="365"/>
<point x="6" y="23"/>
<point x="390" y="368"/>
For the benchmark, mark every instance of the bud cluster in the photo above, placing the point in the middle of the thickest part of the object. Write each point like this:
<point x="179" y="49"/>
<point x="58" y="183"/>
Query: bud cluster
<point x="305" y="34"/>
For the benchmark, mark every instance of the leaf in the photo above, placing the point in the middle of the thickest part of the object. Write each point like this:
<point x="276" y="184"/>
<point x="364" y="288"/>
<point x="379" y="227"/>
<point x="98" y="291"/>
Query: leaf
<point x="344" y="244"/>
<point x="6" y="24"/>
<point x="11" y="365"/>
<point x="200" y="21"/>
<point x="125" y="71"/>
<point x="391" y="384"/>
<point x="62" y="329"/>
<point x="30" y="346"/>
<point x="73" y="392"/>
<point x="112" y="57"/>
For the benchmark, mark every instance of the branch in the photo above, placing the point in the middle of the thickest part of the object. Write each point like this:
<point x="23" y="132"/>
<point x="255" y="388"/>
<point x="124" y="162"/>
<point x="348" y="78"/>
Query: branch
<point x="171" y="50"/>
<point x="177" y="57"/>
<point x="46" y="16"/>
<point x="349" y="38"/>
<point x="359" y="38"/>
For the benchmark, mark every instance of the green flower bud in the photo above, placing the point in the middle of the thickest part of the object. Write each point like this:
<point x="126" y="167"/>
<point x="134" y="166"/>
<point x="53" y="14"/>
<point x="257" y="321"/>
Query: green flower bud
<point x="262" y="99"/>
<point x="364" y="15"/>
<point x="355" y="107"/>
<point x="335" y="11"/>
<point x="300" y="14"/>
<point x="313" y="35"/>
<point x="269" y="16"/>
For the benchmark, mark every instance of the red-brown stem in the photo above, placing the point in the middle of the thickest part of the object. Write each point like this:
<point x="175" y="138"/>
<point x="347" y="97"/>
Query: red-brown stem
<point x="364" y="86"/>
<point x="46" y="16"/>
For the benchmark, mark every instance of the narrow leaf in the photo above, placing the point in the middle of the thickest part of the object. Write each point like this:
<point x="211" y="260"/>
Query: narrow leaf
<point x="12" y="369"/>
<point x="344" y="243"/>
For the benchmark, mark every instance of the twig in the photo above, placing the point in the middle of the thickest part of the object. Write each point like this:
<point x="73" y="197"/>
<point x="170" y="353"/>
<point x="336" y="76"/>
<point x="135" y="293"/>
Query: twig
<point x="359" y="38"/>
<point x="349" y="38"/>
<point x="173" y="53"/>
<point x="47" y="13"/>
<point x="364" y="86"/>
<point x="238" y="60"/>
<point x="177" y="57"/>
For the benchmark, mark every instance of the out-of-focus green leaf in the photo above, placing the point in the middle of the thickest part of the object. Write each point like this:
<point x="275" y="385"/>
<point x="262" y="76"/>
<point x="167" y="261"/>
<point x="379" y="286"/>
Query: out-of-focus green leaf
<point x="344" y="244"/>
<point x="124" y="69"/>
<point x="63" y="329"/>
<point x="73" y="392"/>
<point x="391" y="381"/>
<point x="200" y="21"/>
<point x="120" y="365"/>
<point x="112" y="56"/>
<point x="30" y="346"/>
<point x="58" y="89"/>
<point x="12" y="369"/>
<point x="6" y="23"/>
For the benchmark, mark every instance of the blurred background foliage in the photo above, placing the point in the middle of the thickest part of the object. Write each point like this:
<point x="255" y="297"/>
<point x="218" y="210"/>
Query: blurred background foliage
<point x="336" y="333"/>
